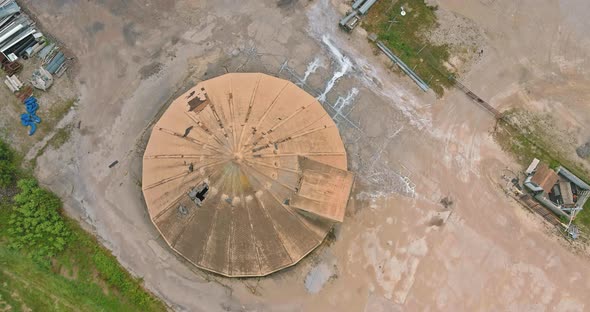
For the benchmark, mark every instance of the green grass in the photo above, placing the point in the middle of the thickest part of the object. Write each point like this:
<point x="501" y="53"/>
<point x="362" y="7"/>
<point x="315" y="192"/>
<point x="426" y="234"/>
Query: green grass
<point x="406" y="37"/>
<point x="523" y="147"/>
<point x="84" y="276"/>
<point x="57" y="111"/>
<point x="531" y="140"/>
<point x="583" y="218"/>
<point x="61" y="136"/>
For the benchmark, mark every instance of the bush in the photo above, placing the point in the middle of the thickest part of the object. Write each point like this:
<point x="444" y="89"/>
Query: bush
<point x="35" y="224"/>
<point x="7" y="166"/>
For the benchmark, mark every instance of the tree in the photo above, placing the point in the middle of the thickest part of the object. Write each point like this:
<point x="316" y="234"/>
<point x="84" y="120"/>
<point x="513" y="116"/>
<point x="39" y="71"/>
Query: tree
<point x="7" y="165"/>
<point x="35" y="224"/>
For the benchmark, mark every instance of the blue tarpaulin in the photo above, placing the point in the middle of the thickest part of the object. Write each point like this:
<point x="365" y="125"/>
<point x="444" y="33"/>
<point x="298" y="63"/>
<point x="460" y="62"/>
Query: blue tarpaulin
<point x="30" y="118"/>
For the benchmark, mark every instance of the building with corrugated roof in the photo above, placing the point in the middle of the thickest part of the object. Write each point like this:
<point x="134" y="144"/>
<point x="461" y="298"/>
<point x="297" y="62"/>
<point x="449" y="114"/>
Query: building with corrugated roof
<point x="560" y="191"/>
<point x="245" y="174"/>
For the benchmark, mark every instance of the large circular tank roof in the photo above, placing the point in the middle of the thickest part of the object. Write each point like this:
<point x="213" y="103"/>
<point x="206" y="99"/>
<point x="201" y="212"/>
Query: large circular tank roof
<point x="245" y="174"/>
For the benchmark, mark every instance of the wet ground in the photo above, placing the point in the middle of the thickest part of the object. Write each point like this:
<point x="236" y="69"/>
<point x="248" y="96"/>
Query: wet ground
<point x="427" y="227"/>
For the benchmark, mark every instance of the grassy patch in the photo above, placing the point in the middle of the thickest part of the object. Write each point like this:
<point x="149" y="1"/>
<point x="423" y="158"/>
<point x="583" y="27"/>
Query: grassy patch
<point x="33" y="163"/>
<point x="78" y="275"/>
<point x="522" y="146"/>
<point x="528" y="136"/>
<point x="583" y="218"/>
<point x="61" y="136"/>
<point x="8" y="166"/>
<point x="406" y="37"/>
<point x="55" y="114"/>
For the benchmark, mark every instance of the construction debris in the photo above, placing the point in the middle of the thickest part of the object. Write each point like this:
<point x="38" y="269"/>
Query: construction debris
<point x="353" y="17"/>
<point x="10" y="68"/>
<point x="20" y="39"/>
<point x="13" y="83"/>
<point x="41" y="79"/>
<point x="367" y="4"/>
<point x="46" y="51"/>
<point x="350" y="21"/>
<point x="56" y="62"/>
<point x="24" y="93"/>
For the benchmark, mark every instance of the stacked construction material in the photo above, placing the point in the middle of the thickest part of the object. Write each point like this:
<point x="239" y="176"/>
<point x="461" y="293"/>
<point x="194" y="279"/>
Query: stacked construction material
<point x="46" y="52"/>
<point x="17" y="33"/>
<point x="31" y="51"/>
<point x="353" y="17"/>
<point x="19" y="38"/>
<point x="13" y="83"/>
<point x="30" y="118"/>
<point x="56" y="62"/>
<point x="8" y="8"/>
<point x="10" y="68"/>
<point x="24" y="93"/>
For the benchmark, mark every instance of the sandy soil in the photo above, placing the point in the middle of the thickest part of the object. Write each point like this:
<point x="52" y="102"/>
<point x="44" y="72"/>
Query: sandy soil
<point x="400" y="248"/>
<point x="536" y="59"/>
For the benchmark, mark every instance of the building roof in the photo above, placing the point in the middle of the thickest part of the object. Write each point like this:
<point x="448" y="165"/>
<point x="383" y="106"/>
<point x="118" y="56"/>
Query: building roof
<point x="566" y="193"/>
<point x="323" y="190"/>
<point x="223" y="164"/>
<point x="532" y="166"/>
<point x="545" y="177"/>
<point x="573" y="178"/>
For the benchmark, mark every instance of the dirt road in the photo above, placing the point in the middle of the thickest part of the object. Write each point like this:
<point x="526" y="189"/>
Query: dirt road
<point x="400" y="248"/>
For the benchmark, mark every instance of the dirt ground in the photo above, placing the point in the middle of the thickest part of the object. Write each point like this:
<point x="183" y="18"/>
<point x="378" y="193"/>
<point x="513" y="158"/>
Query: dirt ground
<point x="536" y="59"/>
<point x="427" y="227"/>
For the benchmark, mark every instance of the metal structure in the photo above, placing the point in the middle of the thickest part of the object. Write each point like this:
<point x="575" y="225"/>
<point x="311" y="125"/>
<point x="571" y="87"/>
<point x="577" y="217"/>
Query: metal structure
<point x="350" y="21"/>
<point x="560" y="191"/>
<point x="18" y="34"/>
<point x="357" y="3"/>
<point x="403" y="66"/>
<point x="245" y="174"/>
<point x="353" y="17"/>
<point x="474" y="97"/>
<point x="363" y="9"/>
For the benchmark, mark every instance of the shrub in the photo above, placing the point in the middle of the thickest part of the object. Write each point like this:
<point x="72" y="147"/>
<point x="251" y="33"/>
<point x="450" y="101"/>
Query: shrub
<point x="35" y="224"/>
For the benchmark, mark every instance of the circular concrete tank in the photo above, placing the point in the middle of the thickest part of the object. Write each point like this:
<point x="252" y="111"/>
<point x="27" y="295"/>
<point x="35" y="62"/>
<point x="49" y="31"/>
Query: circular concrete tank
<point x="245" y="174"/>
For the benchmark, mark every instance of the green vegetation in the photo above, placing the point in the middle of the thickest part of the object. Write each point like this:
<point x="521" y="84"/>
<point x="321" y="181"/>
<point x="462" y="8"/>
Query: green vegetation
<point x="59" y="110"/>
<point x="525" y="136"/>
<point x="35" y="224"/>
<point x="49" y="263"/>
<point x="56" y="112"/>
<point x="61" y="136"/>
<point x="406" y="37"/>
<point x="524" y="147"/>
<point x="583" y="218"/>
<point x="8" y="168"/>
